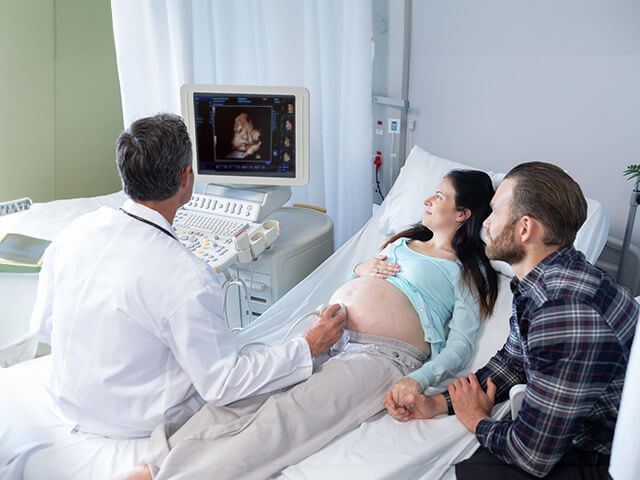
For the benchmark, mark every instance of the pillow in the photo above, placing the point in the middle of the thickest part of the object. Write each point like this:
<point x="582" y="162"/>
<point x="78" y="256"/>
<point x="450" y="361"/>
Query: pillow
<point x="419" y="177"/>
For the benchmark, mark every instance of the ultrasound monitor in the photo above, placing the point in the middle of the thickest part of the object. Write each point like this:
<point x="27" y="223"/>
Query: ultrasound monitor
<point x="248" y="135"/>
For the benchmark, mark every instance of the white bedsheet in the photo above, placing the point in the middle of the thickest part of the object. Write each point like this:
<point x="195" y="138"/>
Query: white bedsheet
<point x="380" y="448"/>
<point x="34" y="441"/>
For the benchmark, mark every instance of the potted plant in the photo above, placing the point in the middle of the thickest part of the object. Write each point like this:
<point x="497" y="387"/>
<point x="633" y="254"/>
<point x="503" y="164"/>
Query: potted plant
<point x="632" y="173"/>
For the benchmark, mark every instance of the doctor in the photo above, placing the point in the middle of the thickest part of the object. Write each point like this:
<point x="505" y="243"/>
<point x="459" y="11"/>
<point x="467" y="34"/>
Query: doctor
<point x="134" y="319"/>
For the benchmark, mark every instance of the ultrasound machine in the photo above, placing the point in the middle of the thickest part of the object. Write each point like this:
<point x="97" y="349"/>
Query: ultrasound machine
<point x="251" y="144"/>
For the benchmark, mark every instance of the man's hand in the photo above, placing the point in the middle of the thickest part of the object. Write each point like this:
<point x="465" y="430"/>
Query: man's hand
<point x="325" y="330"/>
<point x="418" y="406"/>
<point x="470" y="402"/>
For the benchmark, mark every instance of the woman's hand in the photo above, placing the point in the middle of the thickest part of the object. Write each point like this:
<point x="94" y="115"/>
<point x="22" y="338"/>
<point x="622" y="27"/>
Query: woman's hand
<point x="376" y="267"/>
<point x="423" y="407"/>
<point x="401" y="414"/>
<point x="400" y="400"/>
<point x="405" y="391"/>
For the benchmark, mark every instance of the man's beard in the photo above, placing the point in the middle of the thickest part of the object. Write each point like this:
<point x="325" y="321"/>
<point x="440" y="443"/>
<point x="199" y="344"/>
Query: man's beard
<point x="504" y="248"/>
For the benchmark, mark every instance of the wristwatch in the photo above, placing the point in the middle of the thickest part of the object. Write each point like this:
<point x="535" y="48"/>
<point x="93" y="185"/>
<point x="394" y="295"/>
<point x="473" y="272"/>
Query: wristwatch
<point x="450" y="409"/>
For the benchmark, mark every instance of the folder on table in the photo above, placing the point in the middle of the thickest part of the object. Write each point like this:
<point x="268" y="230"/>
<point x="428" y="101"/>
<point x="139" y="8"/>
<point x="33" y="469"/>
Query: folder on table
<point x="21" y="253"/>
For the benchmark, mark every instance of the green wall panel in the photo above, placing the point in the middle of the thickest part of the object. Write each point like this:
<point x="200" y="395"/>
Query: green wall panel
<point x="88" y="113"/>
<point x="26" y="99"/>
<point x="60" y="99"/>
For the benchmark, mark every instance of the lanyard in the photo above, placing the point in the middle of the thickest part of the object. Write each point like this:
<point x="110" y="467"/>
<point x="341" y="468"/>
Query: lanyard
<point x="144" y="220"/>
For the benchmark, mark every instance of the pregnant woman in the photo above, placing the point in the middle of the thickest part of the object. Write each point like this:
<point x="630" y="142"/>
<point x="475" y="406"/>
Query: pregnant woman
<point x="413" y="313"/>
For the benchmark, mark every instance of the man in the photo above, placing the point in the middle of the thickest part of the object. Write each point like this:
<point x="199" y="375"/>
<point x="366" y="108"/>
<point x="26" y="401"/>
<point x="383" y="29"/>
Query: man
<point x="134" y="319"/>
<point x="570" y="338"/>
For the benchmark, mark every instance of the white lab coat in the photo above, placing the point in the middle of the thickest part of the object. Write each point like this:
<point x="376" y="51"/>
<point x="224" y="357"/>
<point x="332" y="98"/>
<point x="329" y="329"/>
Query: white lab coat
<point x="134" y="322"/>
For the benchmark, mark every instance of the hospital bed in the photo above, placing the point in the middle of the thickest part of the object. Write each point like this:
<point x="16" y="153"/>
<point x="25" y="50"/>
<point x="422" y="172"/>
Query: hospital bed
<point x="381" y="448"/>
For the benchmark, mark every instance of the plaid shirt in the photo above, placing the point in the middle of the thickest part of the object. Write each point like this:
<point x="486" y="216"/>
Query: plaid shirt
<point x="571" y="332"/>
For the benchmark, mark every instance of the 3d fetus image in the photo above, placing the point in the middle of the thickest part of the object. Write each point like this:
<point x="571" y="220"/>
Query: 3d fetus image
<point x="242" y="133"/>
<point x="245" y="138"/>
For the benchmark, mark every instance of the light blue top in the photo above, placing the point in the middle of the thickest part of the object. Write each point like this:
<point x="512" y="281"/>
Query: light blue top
<point x="449" y="315"/>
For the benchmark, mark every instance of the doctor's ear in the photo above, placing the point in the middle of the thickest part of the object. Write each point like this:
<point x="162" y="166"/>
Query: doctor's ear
<point x="185" y="175"/>
<point x="186" y="171"/>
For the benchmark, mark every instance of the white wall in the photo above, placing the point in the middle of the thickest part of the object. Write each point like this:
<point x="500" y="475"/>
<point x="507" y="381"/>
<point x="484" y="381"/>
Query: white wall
<point x="497" y="82"/>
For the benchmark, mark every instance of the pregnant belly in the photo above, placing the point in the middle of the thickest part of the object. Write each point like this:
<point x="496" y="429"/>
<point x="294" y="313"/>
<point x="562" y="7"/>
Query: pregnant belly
<point x="377" y="307"/>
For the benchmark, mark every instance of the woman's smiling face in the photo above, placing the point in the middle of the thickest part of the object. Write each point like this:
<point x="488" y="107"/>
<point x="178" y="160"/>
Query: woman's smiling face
<point x="441" y="212"/>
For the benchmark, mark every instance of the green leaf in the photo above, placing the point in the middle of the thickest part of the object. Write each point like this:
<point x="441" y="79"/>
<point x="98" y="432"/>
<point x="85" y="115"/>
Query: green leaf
<point x="632" y="172"/>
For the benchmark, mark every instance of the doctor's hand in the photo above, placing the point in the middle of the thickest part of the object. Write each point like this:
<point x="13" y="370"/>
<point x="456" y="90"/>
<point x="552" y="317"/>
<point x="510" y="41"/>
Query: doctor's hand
<point x="325" y="330"/>
<point x="418" y="407"/>
<point x="376" y="267"/>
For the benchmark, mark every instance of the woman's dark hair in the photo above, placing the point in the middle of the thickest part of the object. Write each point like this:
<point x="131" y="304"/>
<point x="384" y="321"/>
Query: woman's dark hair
<point x="474" y="192"/>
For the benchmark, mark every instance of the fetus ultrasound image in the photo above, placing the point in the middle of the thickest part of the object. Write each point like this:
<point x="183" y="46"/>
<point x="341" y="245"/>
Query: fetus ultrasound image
<point x="242" y="133"/>
<point x="286" y="141"/>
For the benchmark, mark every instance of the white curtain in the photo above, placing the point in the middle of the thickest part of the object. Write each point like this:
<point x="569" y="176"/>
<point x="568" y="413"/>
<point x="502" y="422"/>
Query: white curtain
<point x="324" y="45"/>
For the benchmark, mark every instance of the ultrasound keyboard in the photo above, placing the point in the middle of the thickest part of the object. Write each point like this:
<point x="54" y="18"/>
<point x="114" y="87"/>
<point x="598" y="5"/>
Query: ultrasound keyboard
<point x="221" y="240"/>
<point x="212" y="224"/>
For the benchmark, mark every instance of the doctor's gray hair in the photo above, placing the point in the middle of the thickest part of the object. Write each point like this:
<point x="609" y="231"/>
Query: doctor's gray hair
<point x="150" y="155"/>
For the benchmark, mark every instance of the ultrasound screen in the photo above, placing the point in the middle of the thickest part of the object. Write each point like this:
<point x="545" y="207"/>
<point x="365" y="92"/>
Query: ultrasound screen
<point x="247" y="135"/>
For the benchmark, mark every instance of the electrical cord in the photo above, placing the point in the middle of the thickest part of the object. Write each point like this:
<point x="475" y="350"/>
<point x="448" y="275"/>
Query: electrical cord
<point x="250" y="286"/>
<point x="296" y="323"/>
<point x="225" y="290"/>
<point x="251" y="344"/>
<point x="379" y="188"/>
<point x="392" y="158"/>
<point x="317" y="311"/>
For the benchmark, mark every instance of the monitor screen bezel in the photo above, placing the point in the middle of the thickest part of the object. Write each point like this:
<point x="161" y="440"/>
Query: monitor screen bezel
<point x="301" y="95"/>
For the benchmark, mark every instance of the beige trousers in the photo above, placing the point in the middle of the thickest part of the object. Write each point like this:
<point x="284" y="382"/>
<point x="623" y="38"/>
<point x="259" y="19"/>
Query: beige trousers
<point x="257" y="437"/>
